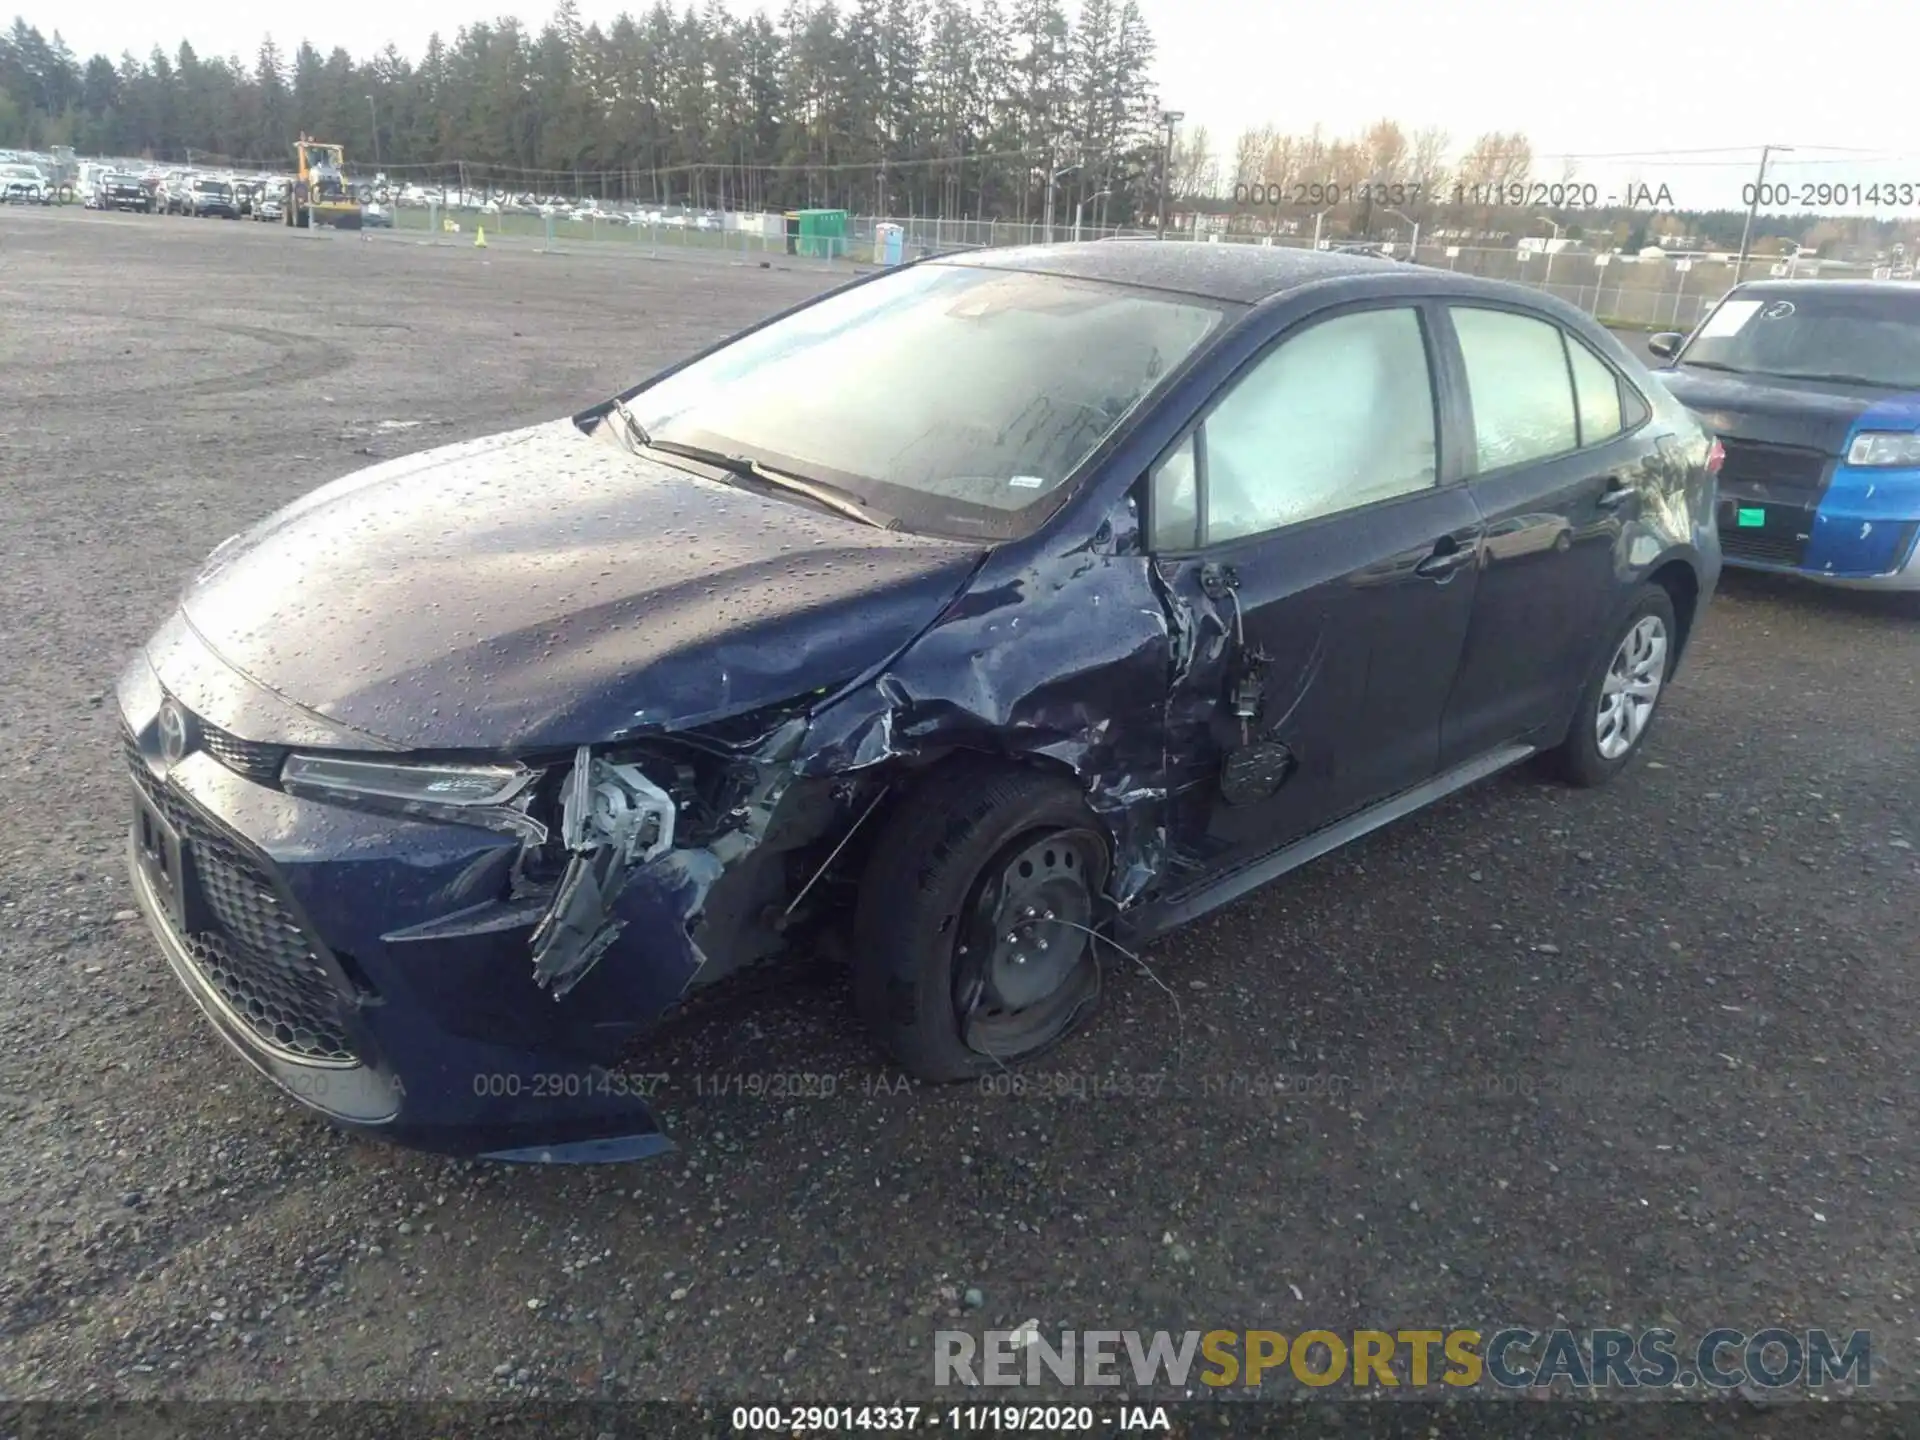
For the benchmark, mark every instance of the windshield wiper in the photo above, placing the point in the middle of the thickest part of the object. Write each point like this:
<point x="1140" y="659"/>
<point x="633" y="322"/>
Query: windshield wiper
<point x="1831" y="379"/>
<point x="636" y="432"/>
<point x="833" y="497"/>
<point x="1714" y="365"/>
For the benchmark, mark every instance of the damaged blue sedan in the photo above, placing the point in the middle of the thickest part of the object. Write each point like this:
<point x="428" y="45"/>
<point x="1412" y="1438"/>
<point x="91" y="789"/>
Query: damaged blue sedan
<point x="958" y="622"/>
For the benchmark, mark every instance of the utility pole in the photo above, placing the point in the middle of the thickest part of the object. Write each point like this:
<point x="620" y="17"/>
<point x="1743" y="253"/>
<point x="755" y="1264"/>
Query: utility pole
<point x="374" y="112"/>
<point x="1759" y="186"/>
<point x="1168" y="119"/>
<point x="1052" y="179"/>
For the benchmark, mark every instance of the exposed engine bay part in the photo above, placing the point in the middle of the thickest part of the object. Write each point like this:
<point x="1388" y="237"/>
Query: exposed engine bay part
<point x="613" y="821"/>
<point x="616" y="805"/>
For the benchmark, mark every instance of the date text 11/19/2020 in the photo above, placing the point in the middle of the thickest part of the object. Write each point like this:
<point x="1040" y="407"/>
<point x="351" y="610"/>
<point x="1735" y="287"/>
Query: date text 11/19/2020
<point x="961" y="1419"/>
<point x="1544" y="195"/>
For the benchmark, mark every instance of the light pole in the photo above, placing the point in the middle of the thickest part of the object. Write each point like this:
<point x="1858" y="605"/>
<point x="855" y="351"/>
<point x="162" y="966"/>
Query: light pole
<point x="1552" y="245"/>
<point x="374" y="112"/>
<point x="1080" y="205"/>
<point x="1316" y="225"/>
<point x="1413" y="250"/>
<point x="1168" y="119"/>
<point x="1753" y="209"/>
<point x="1051" y="180"/>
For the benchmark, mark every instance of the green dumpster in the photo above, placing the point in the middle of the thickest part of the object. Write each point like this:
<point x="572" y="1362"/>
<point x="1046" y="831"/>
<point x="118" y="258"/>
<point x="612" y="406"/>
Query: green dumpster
<point x="819" y="233"/>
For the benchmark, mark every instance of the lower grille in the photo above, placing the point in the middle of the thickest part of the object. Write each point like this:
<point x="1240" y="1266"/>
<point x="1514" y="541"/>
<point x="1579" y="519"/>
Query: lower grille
<point x="1762" y="549"/>
<point x="250" y="950"/>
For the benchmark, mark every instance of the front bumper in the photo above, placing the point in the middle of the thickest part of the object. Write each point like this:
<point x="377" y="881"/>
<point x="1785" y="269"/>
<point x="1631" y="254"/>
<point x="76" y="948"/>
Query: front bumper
<point x="369" y="966"/>
<point x="1860" y="531"/>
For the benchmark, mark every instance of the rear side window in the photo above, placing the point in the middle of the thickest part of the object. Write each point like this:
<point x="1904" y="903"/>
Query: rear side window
<point x="1517" y="378"/>
<point x="1597" y="389"/>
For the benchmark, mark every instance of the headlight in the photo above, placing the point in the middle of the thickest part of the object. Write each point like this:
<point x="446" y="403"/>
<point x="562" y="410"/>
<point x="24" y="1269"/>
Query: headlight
<point x="1884" y="447"/>
<point x="456" y="785"/>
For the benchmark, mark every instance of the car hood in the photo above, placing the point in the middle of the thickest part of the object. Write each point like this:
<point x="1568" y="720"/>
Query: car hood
<point x="546" y="588"/>
<point x="1819" y="415"/>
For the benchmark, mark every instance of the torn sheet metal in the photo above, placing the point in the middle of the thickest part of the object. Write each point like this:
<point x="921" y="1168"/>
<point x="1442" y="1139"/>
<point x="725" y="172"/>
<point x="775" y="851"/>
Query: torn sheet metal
<point x="614" y="820"/>
<point x="1064" y="659"/>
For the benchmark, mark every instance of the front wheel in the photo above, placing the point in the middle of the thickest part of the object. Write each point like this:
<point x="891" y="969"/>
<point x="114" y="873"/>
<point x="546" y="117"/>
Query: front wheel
<point x="1618" y="702"/>
<point x="973" y="943"/>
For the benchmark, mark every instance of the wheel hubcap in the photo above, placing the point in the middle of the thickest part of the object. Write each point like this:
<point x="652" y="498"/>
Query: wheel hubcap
<point x="1026" y="964"/>
<point x="1634" y="677"/>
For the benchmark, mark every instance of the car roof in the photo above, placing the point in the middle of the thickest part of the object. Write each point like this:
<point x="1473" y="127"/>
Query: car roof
<point x="1827" y="287"/>
<point x="1250" y="274"/>
<point x="1243" y="273"/>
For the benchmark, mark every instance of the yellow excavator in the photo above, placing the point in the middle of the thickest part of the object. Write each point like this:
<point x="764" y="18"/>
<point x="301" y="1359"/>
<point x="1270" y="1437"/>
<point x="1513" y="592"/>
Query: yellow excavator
<point x="319" y="194"/>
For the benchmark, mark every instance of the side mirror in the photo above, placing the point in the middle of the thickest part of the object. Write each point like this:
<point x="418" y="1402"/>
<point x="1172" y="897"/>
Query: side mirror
<point x="1666" y="344"/>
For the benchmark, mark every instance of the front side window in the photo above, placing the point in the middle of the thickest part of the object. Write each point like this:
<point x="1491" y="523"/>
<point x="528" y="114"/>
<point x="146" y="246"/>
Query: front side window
<point x="958" y="398"/>
<point x="1336" y="417"/>
<point x="1517" y="379"/>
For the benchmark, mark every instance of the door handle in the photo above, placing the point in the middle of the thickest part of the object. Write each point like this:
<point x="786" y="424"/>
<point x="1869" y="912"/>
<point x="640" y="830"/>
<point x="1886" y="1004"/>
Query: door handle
<point x="1615" y="494"/>
<point x="1446" y="558"/>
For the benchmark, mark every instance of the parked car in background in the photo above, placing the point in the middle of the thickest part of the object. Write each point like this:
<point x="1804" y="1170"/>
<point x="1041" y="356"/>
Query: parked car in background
<point x="1813" y="387"/>
<point x="272" y="204"/>
<point x="376" y="216"/>
<point x="210" y="197"/>
<point x="120" y="190"/>
<point x="1163" y="569"/>
<point x="174" y="193"/>
<point x="24" y="184"/>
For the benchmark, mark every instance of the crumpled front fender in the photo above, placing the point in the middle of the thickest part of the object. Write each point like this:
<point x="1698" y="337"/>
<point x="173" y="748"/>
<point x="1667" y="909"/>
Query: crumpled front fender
<point x="1064" y="660"/>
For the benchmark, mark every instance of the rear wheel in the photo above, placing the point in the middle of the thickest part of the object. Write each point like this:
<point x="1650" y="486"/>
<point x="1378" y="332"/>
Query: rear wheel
<point x="1617" y="706"/>
<point x="972" y="943"/>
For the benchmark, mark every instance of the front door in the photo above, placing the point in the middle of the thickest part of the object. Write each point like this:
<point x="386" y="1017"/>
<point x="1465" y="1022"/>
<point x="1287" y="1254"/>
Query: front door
<point x="1329" y="574"/>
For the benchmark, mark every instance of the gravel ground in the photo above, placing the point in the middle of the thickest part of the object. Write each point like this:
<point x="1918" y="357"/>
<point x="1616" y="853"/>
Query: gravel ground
<point x="1633" y="1057"/>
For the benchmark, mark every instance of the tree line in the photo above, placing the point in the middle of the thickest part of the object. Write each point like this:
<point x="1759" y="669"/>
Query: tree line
<point x="934" y="107"/>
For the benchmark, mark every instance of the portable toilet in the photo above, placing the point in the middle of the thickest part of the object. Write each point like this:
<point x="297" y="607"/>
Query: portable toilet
<point x="889" y="244"/>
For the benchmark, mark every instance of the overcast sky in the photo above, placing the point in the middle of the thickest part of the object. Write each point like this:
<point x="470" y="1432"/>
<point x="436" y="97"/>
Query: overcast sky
<point x="1629" y="75"/>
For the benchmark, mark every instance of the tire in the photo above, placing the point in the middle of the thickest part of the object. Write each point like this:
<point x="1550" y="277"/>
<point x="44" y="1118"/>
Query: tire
<point x="937" y="920"/>
<point x="1609" y="729"/>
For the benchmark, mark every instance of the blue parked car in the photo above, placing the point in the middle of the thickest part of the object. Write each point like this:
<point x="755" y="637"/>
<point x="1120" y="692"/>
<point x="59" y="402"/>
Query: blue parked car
<point x="1813" y="388"/>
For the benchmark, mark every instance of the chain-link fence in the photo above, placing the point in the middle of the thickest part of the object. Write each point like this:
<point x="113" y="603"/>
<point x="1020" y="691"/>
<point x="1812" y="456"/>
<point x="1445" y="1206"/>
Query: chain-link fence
<point x="926" y="236"/>
<point x="1649" y="291"/>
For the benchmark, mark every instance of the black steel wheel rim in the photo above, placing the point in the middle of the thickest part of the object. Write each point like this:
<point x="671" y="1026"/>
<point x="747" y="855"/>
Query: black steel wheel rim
<point x="1025" y="961"/>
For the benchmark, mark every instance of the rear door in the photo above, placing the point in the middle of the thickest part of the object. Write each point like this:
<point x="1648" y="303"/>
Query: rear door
<point x="1307" y="520"/>
<point x="1559" y="467"/>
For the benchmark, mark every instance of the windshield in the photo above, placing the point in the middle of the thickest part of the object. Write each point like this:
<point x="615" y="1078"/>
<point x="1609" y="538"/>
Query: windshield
<point x="213" y="187"/>
<point x="1845" y="337"/>
<point x="959" y="399"/>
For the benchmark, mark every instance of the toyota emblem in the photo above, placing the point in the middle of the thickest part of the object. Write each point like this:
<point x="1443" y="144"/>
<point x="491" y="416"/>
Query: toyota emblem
<point x="175" y="732"/>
